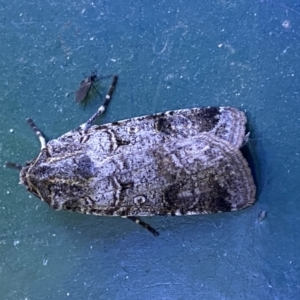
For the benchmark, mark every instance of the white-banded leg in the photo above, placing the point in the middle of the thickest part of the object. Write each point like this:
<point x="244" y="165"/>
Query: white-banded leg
<point x="85" y="126"/>
<point x="38" y="133"/>
<point x="143" y="224"/>
<point x="42" y="141"/>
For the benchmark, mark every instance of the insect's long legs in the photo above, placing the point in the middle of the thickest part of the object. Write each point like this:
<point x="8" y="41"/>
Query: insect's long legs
<point x="102" y="108"/>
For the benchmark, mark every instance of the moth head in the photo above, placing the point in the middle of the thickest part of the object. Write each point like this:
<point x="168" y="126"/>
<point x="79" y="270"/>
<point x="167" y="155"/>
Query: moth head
<point x="25" y="175"/>
<point x="26" y="179"/>
<point x="53" y="184"/>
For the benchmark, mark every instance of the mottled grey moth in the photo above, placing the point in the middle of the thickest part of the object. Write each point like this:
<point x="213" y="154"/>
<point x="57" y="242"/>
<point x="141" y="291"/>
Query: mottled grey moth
<point x="182" y="162"/>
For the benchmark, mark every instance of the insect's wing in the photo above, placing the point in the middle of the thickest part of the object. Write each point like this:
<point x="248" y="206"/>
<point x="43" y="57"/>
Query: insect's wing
<point x="152" y="131"/>
<point x="224" y="122"/>
<point x="180" y="162"/>
<point x="82" y="91"/>
<point x="204" y="174"/>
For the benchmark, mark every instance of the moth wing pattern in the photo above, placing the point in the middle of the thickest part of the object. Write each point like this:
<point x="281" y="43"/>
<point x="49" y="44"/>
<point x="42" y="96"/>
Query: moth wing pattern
<point x="203" y="174"/>
<point x="225" y="122"/>
<point x="108" y="139"/>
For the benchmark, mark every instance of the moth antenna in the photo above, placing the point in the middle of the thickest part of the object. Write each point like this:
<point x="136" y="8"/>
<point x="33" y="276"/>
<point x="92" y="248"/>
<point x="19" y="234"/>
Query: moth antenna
<point x="38" y="133"/>
<point x="102" y="108"/>
<point x="13" y="166"/>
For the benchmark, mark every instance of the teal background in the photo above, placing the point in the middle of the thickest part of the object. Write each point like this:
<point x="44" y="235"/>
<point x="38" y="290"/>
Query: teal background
<point x="169" y="55"/>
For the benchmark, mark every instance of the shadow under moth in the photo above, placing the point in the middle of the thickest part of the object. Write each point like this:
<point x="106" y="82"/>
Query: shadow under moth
<point x="182" y="162"/>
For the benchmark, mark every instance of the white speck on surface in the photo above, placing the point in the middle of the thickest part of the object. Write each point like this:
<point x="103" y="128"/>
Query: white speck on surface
<point x="286" y="24"/>
<point x="261" y="216"/>
<point x="16" y="243"/>
<point x="11" y="130"/>
<point x="45" y="261"/>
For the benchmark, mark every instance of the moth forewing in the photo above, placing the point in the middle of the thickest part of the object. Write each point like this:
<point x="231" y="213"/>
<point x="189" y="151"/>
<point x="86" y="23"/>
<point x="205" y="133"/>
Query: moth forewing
<point x="202" y="174"/>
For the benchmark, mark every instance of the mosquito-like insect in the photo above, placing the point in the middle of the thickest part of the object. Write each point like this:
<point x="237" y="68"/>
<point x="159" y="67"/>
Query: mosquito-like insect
<point x="85" y="87"/>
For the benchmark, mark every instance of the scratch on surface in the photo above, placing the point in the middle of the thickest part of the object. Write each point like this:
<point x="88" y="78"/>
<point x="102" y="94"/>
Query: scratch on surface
<point x="164" y="47"/>
<point x="162" y="284"/>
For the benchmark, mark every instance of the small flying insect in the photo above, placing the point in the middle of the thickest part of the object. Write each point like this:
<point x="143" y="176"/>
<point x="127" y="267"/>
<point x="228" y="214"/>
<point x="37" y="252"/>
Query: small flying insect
<point x="83" y="92"/>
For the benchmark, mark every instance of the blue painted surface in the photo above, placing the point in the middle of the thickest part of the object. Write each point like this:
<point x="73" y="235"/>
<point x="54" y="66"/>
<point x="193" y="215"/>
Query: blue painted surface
<point x="168" y="56"/>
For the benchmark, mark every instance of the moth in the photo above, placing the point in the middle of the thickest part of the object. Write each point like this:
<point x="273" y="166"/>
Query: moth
<point x="182" y="162"/>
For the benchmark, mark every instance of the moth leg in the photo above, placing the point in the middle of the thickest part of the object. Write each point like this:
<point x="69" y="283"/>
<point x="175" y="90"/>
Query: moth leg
<point x="102" y="108"/>
<point x="143" y="224"/>
<point x="38" y="133"/>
